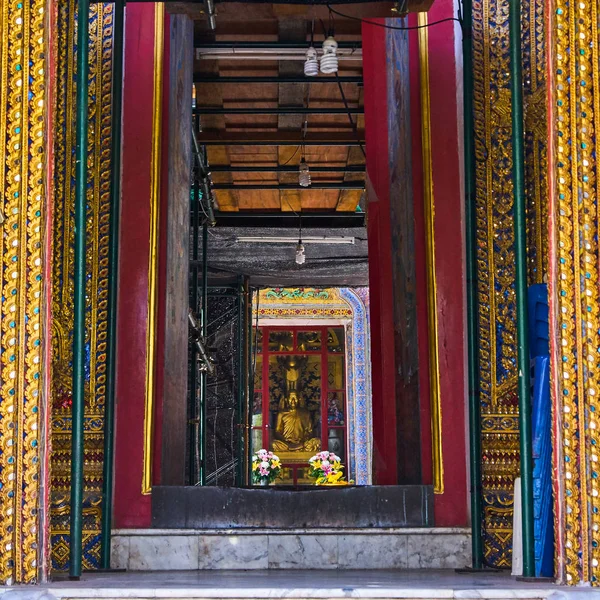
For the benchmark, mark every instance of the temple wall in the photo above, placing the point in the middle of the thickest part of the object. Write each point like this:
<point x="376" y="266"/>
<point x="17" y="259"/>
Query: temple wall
<point x="25" y="95"/>
<point x="574" y="121"/>
<point x="97" y="235"/>
<point x="36" y="265"/>
<point x="495" y="243"/>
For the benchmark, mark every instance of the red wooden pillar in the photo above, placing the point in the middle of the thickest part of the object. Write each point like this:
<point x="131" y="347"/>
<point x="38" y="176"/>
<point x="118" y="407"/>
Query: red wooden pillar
<point x="137" y="260"/>
<point x="445" y="73"/>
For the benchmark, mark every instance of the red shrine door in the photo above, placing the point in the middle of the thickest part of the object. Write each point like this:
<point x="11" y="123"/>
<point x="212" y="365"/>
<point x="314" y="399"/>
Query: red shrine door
<point x="299" y="405"/>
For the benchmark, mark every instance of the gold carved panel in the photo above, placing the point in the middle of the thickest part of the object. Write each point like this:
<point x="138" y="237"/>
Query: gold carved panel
<point x="495" y="243"/>
<point x="576" y="288"/>
<point x="100" y="119"/>
<point x="23" y="210"/>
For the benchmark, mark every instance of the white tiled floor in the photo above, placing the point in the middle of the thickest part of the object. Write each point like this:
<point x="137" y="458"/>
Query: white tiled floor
<point x="401" y="584"/>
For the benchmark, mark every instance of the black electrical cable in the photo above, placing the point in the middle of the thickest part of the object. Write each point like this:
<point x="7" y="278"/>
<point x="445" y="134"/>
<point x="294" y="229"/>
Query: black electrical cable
<point x="352" y="122"/>
<point x="409" y="28"/>
<point x="337" y="76"/>
<point x="289" y="160"/>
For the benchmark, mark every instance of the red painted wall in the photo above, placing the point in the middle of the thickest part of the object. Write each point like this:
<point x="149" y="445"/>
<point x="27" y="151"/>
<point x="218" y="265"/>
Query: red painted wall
<point x="447" y="149"/>
<point x="131" y="508"/>
<point x="380" y="256"/>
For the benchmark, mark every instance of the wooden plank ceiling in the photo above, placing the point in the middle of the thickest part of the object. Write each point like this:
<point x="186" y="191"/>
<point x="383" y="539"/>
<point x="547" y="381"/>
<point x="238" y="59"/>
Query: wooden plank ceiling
<point x="266" y="24"/>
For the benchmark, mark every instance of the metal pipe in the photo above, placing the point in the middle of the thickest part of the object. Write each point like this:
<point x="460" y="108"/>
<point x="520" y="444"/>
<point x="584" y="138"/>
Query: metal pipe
<point x="82" y="86"/>
<point x="203" y="179"/>
<point x="472" y="304"/>
<point x="281" y="239"/>
<point x="241" y="379"/>
<point x="279" y="220"/>
<point x="520" y="224"/>
<point x="279" y="110"/>
<point x="211" y="14"/>
<point x="200" y="78"/>
<point x="345" y="185"/>
<point x="203" y="388"/>
<point x="113" y="282"/>
<point x="285" y="169"/>
<point x="194" y="304"/>
<point x="203" y="354"/>
<point x="249" y="384"/>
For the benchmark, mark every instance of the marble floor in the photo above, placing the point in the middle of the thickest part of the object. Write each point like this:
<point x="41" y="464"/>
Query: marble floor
<point x="379" y="584"/>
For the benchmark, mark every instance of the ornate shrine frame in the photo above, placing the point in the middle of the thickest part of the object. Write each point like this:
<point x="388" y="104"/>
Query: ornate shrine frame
<point x="335" y="306"/>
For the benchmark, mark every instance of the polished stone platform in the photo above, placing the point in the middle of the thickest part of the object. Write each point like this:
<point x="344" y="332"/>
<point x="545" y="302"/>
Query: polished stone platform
<point x="323" y="548"/>
<point x="278" y="507"/>
<point x="380" y="584"/>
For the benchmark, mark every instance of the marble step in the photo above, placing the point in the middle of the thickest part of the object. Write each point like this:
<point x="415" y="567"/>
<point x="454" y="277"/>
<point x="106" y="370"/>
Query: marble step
<point x="276" y="549"/>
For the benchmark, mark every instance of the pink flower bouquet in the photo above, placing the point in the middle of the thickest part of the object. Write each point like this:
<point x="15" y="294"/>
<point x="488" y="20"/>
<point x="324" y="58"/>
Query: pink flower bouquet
<point x="266" y="467"/>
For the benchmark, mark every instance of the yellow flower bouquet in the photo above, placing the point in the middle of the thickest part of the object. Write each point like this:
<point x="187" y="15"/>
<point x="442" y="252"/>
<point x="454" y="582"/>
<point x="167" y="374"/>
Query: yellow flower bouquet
<point x="327" y="469"/>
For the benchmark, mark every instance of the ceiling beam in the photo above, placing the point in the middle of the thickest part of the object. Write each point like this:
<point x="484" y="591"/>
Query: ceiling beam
<point x="201" y="78"/>
<point x="344" y="185"/>
<point x="285" y="169"/>
<point x="299" y="110"/>
<point x="280" y="138"/>
<point x="315" y="9"/>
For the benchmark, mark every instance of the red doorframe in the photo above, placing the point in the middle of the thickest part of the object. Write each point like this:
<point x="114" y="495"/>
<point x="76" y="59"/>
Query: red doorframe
<point x="451" y="506"/>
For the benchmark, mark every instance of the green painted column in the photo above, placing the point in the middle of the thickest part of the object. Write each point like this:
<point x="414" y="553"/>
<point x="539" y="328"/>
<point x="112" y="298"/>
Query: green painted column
<point x="113" y="265"/>
<point x="520" y="223"/>
<point x="76" y="517"/>
<point x="472" y="320"/>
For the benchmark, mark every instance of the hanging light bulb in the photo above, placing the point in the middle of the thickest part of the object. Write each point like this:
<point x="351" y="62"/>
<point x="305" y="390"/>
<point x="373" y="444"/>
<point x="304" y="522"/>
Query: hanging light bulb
<point x="300" y="256"/>
<point x="311" y="66"/>
<point x="329" y="60"/>
<point x="304" y="177"/>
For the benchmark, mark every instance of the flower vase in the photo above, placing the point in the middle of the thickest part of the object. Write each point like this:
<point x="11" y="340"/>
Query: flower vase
<point x="264" y="481"/>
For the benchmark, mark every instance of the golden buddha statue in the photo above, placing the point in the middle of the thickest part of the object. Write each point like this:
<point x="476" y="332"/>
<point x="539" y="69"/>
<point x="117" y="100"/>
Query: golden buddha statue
<point x="294" y="427"/>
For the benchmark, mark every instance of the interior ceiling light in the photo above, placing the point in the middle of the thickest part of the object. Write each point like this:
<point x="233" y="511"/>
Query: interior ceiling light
<point x="304" y="177"/>
<point x="311" y="65"/>
<point x="329" y="60"/>
<point x="293" y="240"/>
<point x="300" y="256"/>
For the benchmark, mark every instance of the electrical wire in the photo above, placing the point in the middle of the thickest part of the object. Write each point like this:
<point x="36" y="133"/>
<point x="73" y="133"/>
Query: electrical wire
<point x="289" y="160"/>
<point x="408" y="28"/>
<point x="199" y="200"/>
<point x="337" y="76"/>
<point x="352" y="122"/>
